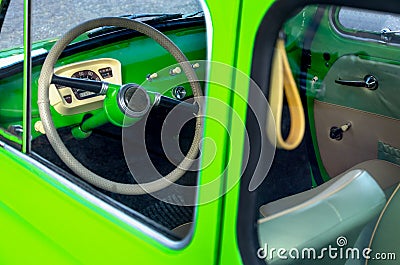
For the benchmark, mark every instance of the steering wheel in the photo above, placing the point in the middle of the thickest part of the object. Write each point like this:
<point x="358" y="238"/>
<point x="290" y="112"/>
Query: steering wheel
<point x="113" y="95"/>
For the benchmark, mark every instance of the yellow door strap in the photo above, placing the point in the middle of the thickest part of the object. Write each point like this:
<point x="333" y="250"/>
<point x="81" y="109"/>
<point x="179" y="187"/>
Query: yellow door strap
<point x="282" y="81"/>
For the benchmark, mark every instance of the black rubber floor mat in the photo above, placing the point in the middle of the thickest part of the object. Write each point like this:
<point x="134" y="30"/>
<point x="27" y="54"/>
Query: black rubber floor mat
<point x="290" y="171"/>
<point x="103" y="154"/>
<point x="170" y="215"/>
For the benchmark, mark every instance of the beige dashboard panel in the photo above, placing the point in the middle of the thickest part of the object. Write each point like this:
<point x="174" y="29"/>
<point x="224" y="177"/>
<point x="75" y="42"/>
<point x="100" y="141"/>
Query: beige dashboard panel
<point x="59" y="96"/>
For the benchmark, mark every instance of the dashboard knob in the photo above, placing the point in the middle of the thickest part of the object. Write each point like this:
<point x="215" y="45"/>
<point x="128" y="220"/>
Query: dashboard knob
<point x="179" y="92"/>
<point x="175" y="71"/>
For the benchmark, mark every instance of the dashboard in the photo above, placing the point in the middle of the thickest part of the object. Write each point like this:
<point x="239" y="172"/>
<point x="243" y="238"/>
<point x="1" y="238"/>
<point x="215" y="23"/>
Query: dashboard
<point x="70" y="101"/>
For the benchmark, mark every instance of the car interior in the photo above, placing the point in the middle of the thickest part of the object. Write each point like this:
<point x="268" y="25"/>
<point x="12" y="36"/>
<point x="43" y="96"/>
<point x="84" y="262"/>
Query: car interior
<point x="341" y="182"/>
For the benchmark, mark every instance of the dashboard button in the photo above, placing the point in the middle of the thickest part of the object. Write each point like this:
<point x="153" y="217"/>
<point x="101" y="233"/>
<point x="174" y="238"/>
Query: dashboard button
<point x="68" y="99"/>
<point x="106" y="72"/>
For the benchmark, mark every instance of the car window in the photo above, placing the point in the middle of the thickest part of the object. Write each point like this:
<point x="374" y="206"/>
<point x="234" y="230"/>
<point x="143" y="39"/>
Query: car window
<point x="119" y="154"/>
<point x="366" y="24"/>
<point x="51" y="19"/>
<point x="11" y="105"/>
<point x="123" y="60"/>
<point x="12" y="30"/>
<point x="366" y="20"/>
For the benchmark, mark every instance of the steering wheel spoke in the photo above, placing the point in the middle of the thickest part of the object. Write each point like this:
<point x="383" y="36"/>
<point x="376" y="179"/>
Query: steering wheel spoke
<point x="170" y="103"/>
<point x="98" y="87"/>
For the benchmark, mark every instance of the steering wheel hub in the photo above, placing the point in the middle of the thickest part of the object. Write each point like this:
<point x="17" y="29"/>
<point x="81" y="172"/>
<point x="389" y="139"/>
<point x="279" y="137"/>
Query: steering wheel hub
<point x="133" y="100"/>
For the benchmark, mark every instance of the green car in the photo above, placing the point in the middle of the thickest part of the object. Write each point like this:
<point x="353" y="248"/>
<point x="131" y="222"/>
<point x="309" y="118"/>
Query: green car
<point x="212" y="132"/>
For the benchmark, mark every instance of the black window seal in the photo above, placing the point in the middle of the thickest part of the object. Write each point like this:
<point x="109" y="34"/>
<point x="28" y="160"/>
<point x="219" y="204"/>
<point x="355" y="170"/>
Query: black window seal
<point x="247" y="234"/>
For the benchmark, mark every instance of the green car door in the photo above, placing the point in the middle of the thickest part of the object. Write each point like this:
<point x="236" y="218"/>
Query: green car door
<point x="344" y="66"/>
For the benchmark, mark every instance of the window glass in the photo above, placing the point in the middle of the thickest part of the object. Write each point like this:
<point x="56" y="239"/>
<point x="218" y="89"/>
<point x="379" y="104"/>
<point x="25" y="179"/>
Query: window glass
<point x="12" y="30"/>
<point x="366" y="24"/>
<point x="51" y="19"/>
<point x="90" y="134"/>
<point x="366" y="20"/>
<point x="11" y="85"/>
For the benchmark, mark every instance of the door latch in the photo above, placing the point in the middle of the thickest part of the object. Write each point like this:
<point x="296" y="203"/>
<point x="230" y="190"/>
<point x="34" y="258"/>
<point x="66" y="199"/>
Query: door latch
<point x="388" y="34"/>
<point x="370" y="82"/>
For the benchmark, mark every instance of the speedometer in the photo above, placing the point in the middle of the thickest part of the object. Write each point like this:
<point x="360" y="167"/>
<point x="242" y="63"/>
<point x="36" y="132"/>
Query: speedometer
<point x="69" y="100"/>
<point x="84" y="74"/>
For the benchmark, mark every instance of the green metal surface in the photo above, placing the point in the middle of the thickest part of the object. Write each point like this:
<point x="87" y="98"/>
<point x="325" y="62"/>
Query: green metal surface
<point x="13" y="138"/>
<point x="252" y="13"/>
<point x="54" y="224"/>
<point x="113" y="112"/>
<point x="95" y="121"/>
<point x="80" y="133"/>
<point x="60" y="225"/>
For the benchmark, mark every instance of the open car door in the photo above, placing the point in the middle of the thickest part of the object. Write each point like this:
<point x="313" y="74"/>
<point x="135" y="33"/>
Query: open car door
<point x="337" y="189"/>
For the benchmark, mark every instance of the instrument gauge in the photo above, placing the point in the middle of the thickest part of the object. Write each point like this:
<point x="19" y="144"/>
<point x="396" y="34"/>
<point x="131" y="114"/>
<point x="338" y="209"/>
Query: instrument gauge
<point x="84" y="74"/>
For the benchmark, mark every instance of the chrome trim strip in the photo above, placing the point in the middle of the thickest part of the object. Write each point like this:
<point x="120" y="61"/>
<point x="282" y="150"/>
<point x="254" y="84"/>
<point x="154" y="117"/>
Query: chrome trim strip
<point x="124" y="107"/>
<point x="209" y="29"/>
<point x="27" y="78"/>
<point x="102" y="204"/>
<point x="104" y="88"/>
<point x="209" y="34"/>
<point x="157" y="99"/>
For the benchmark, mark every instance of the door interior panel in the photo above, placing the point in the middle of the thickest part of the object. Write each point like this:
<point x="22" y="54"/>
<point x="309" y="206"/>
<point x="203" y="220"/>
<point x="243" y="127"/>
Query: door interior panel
<point x="382" y="100"/>
<point x="348" y="77"/>
<point x="359" y="143"/>
<point x="374" y="114"/>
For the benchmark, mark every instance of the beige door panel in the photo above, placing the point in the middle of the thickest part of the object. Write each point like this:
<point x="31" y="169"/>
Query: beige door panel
<point x="359" y="143"/>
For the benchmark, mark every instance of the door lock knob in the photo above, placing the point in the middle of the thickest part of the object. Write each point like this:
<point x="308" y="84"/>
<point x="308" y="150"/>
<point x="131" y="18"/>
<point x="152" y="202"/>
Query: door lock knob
<point x="336" y="133"/>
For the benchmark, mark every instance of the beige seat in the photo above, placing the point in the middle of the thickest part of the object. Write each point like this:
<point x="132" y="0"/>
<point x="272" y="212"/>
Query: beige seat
<point x="386" y="234"/>
<point x="339" y="207"/>
<point x="386" y="174"/>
